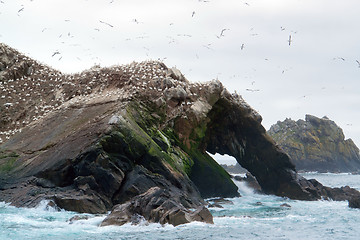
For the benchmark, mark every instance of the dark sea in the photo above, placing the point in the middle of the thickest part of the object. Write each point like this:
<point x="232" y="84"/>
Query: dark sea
<point x="252" y="216"/>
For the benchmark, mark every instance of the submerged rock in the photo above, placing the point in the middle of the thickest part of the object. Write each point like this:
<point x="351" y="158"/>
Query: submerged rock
<point x="220" y="201"/>
<point x="78" y="218"/>
<point x="316" y="144"/>
<point x="285" y="205"/>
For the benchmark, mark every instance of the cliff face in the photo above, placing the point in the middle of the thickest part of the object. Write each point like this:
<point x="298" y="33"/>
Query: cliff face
<point x="316" y="144"/>
<point x="133" y="138"/>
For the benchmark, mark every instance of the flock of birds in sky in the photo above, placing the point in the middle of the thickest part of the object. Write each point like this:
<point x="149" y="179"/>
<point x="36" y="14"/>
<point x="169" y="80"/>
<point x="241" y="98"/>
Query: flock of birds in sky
<point x="219" y="35"/>
<point x="135" y="20"/>
<point x="290" y="38"/>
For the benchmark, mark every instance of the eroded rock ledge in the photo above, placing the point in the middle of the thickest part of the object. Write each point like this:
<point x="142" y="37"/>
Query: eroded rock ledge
<point x="119" y="137"/>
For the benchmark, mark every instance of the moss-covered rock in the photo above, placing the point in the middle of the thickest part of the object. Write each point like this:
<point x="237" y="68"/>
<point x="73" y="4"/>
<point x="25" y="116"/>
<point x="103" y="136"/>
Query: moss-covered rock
<point x="7" y="161"/>
<point x="106" y="136"/>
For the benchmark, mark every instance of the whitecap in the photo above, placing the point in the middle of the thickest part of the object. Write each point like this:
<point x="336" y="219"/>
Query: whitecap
<point x="4" y="204"/>
<point x="48" y="205"/>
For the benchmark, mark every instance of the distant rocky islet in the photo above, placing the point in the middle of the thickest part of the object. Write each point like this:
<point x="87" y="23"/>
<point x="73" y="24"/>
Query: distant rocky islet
<point x="316" y="144"/>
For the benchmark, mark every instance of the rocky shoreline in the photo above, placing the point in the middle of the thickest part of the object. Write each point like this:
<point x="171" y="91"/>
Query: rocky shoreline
<point x="132" y="139"/>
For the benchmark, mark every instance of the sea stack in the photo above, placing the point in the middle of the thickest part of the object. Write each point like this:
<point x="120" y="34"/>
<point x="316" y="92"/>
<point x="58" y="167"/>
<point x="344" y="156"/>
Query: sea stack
<point x="316" y="144"/>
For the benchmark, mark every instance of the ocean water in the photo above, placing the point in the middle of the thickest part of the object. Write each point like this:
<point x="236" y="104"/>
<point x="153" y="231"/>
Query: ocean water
<point x="252" y="216"/>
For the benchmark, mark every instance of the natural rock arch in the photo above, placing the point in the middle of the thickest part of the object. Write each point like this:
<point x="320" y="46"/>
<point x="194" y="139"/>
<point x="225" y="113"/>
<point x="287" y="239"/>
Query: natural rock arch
<point x="237" y="131"/>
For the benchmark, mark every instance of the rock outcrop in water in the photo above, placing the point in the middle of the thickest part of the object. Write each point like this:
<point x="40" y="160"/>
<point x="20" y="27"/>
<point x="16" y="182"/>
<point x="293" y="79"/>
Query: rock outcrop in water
<point x="316" y="144"/>
<point x="120" y="137"/>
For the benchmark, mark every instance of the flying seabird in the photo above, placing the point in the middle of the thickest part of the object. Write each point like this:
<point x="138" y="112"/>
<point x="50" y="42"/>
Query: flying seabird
<point x="222" y="32"/>
<point x="56" y="52"/>
<point x="289" y="40"/>
<point x="242" y="46"/>
<point x="106" y="23"/>
<point x="252" y="90"/>
<point x="184" y="35"/>
<point x="136" y="21"/>
<point x="207" y="46"/>
<point x="193" y="13"/>
<point x="358" y="63"/>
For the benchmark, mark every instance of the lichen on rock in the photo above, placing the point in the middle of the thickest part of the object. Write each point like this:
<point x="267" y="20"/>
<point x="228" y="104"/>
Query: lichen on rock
<point x="316" y="144"/>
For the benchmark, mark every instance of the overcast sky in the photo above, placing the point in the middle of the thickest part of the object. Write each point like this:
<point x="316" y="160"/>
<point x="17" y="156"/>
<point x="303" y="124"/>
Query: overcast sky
<point x="245" y="44"/>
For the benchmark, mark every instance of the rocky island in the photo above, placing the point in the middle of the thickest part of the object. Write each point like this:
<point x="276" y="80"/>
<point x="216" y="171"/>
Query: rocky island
<point x="133" y="139"/>
<point x="316" y="144"/>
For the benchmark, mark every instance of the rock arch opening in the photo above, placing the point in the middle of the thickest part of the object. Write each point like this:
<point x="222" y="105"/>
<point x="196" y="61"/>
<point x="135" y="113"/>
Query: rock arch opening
<point x="235" y="129"/>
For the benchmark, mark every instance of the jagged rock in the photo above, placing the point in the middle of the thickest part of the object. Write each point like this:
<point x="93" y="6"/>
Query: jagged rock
<point x="139" y="180"/>
<point x="214" y="205"/>
<point x="202" y="214"/>
<point x="177" y="94"/>
<point x="44" y="183"/>
<point x="107" y="136"/>
<point x="82" y="203"/>
<point x="354" y="202"/>
<point x="175" y="74"/>
<point x="341" y="194"/>
<point x="220" y="201"/>
<point x="316" y="144"/>
<point x="338" y="194"/>
<point x="234" y="169"/>
<point x="250" y="181"/>
<point x="156" y="205"/>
